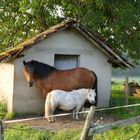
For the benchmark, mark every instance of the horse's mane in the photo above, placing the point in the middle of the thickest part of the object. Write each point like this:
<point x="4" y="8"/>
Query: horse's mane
<point x="40" y="70"/>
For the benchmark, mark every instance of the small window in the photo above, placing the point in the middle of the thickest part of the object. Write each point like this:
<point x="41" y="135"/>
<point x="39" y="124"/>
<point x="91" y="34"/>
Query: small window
<point x="66" y="61"/>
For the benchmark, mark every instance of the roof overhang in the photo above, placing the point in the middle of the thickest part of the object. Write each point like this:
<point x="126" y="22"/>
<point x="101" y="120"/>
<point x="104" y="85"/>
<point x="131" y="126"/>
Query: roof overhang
<point x="114" y="57"/>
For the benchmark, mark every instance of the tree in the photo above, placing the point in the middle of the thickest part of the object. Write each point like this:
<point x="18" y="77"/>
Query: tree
<point x="118" y="21"/>
<point x="22" y="19"/>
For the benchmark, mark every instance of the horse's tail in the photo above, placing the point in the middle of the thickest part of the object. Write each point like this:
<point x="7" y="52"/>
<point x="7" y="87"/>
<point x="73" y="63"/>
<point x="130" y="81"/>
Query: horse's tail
<point x="48" y="109"/>
<point x="95" y="86"/>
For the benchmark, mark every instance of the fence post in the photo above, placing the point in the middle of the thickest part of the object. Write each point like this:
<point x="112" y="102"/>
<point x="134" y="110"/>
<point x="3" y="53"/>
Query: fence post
<point x="1" y="130"/>
<point x="84" y="135"/>
<point x="126" y="89"/>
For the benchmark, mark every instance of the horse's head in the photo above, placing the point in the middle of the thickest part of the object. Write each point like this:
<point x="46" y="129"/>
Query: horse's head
<point x="91" y="96"/>
<point x="28" y="72"/>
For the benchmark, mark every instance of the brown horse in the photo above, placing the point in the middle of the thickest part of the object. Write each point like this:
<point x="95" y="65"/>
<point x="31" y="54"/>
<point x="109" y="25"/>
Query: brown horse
<point x="48" y="78"/>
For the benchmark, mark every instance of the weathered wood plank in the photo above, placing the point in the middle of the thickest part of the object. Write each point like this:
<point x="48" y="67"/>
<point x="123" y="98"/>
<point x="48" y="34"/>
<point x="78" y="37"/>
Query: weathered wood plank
<point x="102" y="128"/>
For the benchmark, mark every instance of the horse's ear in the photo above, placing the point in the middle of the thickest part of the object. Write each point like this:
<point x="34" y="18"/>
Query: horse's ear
<point x="24" y="63"/>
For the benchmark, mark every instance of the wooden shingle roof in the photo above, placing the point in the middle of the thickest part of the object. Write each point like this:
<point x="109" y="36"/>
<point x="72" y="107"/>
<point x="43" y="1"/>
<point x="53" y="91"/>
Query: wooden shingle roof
<point x="114" y="57"/>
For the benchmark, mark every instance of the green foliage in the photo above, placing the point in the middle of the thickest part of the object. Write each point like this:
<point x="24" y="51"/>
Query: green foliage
<point x="117" y="21"/>
<point x="3" y="106"/>
<point x="3" y="109"/>
<point x="9" y="116"/>
<point x="22" y="19"/>
<point x="118" y="99"/>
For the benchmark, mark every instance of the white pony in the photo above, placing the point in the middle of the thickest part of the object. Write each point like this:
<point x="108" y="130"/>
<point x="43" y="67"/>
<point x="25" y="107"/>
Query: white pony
<point x="73" y="100"/>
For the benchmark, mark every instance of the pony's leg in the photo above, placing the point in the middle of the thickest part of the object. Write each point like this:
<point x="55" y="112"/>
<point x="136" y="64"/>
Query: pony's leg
<point x="76" y="115"/>
<point x="84" y="114"/>
<point x="52" y="112"/>
<point x="74" y="112"/>
<point x="48" y="113"/>
<point x="48" y="109"/>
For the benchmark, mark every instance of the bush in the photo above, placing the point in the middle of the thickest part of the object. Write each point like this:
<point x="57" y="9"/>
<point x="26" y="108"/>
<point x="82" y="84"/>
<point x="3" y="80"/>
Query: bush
<point x="9" y="116"/>
<point x="3" y="106"/>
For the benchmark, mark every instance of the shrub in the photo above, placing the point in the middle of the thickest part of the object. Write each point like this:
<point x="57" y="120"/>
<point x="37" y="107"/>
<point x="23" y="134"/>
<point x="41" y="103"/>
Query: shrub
<point x="3" y="106"/>
<point x="9" y="116"/>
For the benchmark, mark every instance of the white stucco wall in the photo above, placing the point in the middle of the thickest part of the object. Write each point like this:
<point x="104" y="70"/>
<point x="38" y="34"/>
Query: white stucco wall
<point x="29" y="99"/>
<point x="25" y="99"/>
<point x="6" y="84"/>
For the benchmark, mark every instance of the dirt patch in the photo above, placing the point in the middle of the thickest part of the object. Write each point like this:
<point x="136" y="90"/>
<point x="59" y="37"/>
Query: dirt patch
<point x="66" y="122"/>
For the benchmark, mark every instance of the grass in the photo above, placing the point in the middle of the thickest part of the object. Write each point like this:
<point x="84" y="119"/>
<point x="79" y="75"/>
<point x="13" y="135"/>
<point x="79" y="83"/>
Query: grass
<point x="27" y="133"/>
<point x="23" y="132"/>
<point x="3" y="109"/>
<point x="119" y="99"/>
<point x="124" y="133"/>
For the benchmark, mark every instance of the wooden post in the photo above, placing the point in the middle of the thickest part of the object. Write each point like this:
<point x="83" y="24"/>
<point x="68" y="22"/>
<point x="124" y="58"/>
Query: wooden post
<point x="126" y="89"/>
<point x="86" y="128"/>
<point x="1" y="130"/>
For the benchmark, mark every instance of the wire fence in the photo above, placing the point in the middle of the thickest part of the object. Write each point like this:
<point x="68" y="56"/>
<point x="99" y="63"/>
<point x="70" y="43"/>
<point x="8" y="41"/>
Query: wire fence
<point x="68" y="114"/>
<point x="95" y="129"/>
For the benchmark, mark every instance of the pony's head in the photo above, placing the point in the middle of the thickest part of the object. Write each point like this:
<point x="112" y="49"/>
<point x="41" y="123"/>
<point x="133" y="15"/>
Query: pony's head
<point x="28" y="72"/>
<point x="91" y="96"/>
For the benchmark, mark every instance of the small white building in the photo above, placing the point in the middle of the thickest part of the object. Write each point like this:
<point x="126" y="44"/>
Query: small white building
<point x="65" y="45"/>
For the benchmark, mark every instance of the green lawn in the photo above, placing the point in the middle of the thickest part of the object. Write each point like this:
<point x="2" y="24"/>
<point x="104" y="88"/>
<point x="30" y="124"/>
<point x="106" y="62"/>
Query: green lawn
<point x="132" y="132"/>
<point x="3" y="109"/>
<point x="21" y="132"/>
<point x="119" y="99"/>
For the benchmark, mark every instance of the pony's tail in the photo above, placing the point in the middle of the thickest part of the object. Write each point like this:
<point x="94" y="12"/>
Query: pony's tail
<point x="48" y="109"/>
<point x="95" y="86"/>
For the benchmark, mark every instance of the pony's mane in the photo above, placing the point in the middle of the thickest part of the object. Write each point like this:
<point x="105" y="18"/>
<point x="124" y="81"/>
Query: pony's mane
<point x="41" y="70"/>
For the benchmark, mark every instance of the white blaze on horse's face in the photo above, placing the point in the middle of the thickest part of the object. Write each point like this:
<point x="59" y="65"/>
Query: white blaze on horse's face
<point x="91" y="96"/>
<point x="28" y="76"/>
